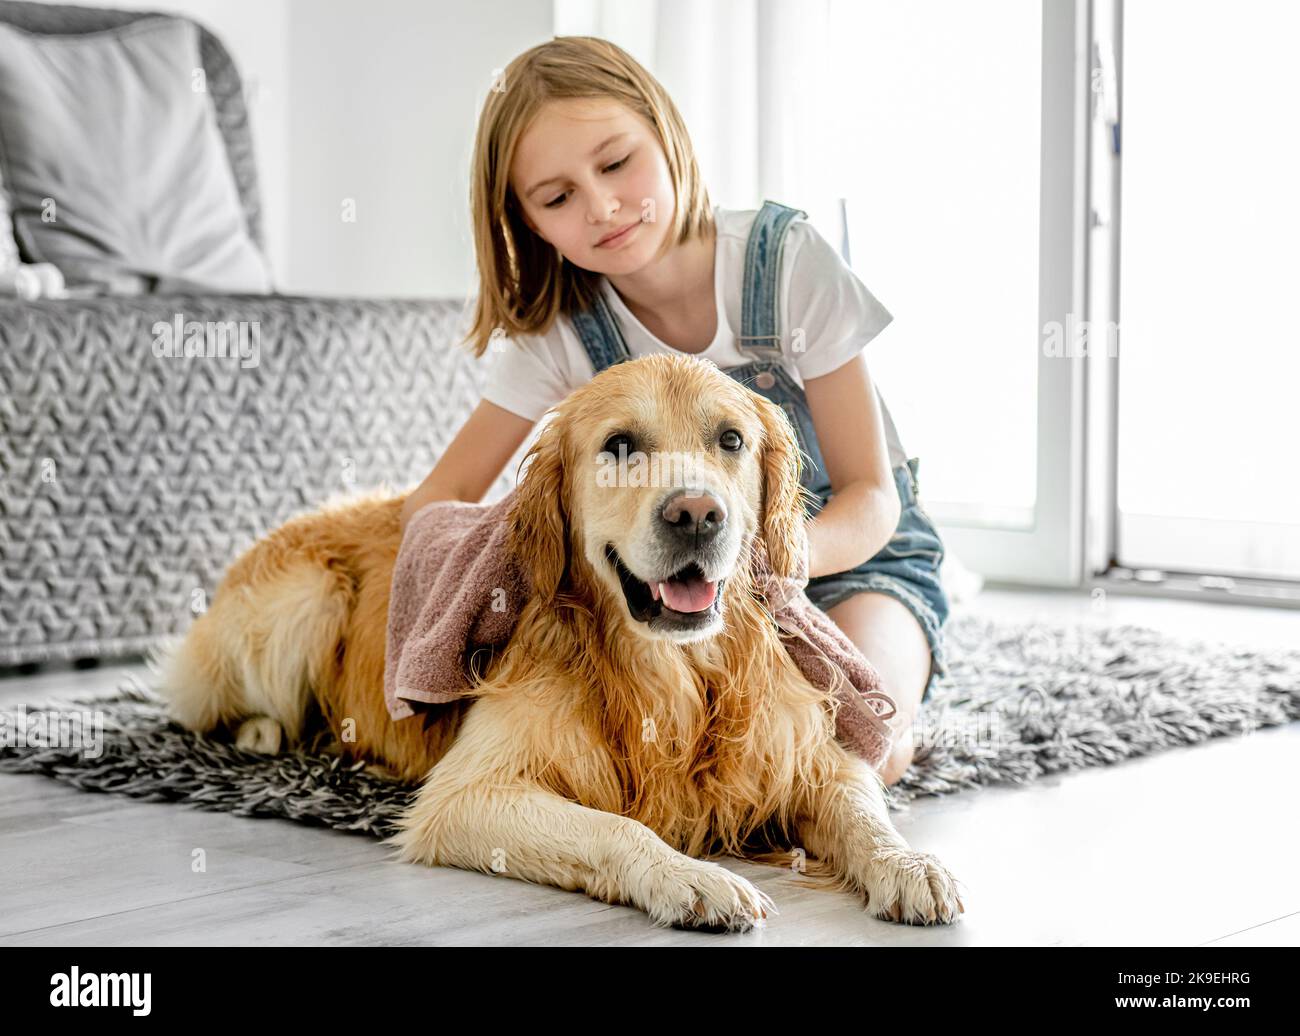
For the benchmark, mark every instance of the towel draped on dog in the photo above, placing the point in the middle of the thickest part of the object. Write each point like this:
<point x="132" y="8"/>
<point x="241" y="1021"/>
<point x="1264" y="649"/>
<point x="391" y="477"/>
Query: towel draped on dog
<point x="458" y="591"/>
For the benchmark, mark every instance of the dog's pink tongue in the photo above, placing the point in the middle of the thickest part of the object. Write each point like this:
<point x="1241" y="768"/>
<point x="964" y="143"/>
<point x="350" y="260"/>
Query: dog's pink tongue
<point x="688" y="595"/>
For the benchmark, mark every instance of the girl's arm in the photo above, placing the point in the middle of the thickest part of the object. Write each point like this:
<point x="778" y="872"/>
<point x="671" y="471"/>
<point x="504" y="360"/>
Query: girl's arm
<point x="473" y="460"/>
<point x="864" y="510"/>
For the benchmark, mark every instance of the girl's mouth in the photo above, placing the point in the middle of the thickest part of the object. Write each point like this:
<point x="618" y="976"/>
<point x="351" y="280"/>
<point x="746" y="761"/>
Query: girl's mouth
<point x="620" y="237"/>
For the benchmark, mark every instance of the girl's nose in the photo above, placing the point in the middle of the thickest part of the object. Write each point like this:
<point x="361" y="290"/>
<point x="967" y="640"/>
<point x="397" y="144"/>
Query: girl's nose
<point x="602" y="210"/>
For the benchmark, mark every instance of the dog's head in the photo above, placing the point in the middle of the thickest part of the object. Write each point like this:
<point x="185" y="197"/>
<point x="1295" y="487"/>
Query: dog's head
<point x="651" y="482"/>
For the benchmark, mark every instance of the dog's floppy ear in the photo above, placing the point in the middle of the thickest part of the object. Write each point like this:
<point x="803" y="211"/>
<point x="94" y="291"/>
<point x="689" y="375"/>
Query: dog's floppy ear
<point x="539" y="517"/>
<point x="783" y="494"/>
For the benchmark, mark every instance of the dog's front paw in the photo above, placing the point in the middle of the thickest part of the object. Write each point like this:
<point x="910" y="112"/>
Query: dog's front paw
<point x="260" y="734"/>
<point x="911" y="888"/>
<point x="707" y="897"/>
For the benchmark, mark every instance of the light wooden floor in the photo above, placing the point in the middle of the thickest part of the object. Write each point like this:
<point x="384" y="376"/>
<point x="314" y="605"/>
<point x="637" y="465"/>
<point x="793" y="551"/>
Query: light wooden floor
<point x="1193" y="846"/>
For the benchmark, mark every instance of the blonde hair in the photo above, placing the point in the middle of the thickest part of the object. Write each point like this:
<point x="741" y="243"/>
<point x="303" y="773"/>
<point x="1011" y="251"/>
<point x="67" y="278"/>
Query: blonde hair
<point x="523" y="283"/>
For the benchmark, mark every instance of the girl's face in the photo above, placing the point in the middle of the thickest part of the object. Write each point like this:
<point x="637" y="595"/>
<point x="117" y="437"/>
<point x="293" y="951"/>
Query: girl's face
<point x="585" y="169"/>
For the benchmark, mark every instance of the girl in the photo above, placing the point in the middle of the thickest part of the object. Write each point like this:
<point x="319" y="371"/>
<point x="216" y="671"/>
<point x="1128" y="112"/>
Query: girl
<point x="596" y="242"/>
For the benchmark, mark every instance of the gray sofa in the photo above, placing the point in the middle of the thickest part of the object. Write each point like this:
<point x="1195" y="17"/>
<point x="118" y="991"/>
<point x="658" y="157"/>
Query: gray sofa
<point x="128" y="482"/>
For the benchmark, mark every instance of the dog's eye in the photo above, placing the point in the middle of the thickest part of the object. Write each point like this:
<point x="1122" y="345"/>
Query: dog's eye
<point x="731" y="440"/>
<point x="613" y="442"/>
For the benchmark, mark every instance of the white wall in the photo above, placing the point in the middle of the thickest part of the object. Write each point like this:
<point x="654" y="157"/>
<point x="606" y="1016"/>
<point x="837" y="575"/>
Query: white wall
<point x="384" y="99"/>
<point x="373" y="100"/>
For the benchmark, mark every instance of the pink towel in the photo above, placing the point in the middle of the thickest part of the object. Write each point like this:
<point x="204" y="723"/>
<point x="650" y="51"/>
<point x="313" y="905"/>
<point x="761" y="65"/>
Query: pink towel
<point x="457" y="593"/>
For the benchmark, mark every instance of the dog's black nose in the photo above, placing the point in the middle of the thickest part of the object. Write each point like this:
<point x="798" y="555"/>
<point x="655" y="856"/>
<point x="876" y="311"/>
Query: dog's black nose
<point x="694" y="514"/>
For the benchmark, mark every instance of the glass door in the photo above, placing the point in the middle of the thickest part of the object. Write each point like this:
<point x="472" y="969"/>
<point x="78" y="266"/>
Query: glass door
<point x="1209" y="358"/>
<point x="960" y="154"/>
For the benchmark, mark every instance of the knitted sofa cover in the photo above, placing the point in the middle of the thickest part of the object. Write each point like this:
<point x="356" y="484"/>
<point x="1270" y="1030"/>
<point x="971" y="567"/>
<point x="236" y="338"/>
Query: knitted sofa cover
<point x="129" y="480"/>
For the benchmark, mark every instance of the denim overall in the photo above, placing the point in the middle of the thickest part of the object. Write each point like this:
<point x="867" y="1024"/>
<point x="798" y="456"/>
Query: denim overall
<point x="907" y="568"/>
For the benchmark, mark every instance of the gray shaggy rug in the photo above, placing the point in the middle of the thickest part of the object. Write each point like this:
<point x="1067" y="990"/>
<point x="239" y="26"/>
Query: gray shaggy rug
<point x="1021" y="700"/>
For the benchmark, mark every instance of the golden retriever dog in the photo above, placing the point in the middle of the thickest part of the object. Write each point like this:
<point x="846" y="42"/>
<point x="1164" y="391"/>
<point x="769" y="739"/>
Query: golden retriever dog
<point x="644" y="716"/>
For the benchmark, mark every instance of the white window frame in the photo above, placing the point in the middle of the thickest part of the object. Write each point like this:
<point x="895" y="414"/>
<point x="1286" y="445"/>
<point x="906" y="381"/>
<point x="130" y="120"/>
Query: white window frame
<point x="1050" y="550"/>
<point x="1103" y="571"/>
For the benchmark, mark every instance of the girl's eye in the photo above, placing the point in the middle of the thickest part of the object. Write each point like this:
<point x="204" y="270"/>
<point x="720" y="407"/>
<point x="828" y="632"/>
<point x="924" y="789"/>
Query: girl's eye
<point x="557" y="202"/>
<point x="731" y="440"/>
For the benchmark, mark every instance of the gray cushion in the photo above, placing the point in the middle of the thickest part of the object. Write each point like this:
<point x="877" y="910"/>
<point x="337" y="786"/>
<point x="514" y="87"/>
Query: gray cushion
<point x="8" y="247"/>
<point x="110" y="126"/>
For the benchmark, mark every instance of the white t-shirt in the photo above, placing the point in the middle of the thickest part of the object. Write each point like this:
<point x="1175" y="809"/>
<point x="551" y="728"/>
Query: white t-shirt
<point x="819" y="293"/>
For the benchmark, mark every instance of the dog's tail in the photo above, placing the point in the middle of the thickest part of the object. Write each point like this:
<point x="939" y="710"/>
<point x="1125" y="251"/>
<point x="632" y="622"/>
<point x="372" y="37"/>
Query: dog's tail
<point x="273" y="633"/>
<point x="814" y="872"/>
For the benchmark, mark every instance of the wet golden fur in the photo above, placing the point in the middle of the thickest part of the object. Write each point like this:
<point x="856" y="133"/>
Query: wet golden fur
<point x="595" y="754"/>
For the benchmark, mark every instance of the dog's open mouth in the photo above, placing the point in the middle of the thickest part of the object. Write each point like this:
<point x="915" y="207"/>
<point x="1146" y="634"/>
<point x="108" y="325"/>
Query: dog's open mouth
<point x="686" y="594"/>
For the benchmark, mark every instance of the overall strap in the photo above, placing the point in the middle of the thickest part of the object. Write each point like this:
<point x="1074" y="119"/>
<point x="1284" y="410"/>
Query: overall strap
<point x="760" y="332"/>
<point x="599" y="332"/>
